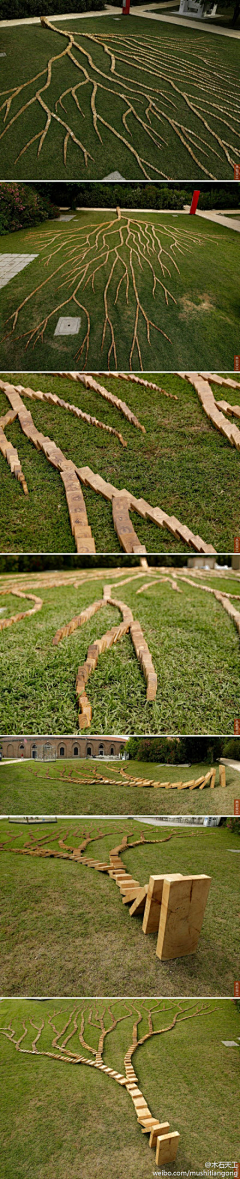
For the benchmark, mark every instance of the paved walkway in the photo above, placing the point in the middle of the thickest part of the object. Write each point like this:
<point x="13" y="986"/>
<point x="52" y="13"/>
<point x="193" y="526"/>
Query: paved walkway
<point x="140" y="10"/>
<point x="230" y="222"/>
<point x="235" y="765"/>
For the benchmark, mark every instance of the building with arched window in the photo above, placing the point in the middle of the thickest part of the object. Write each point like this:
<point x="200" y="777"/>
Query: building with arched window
<point x="46" y="748"/>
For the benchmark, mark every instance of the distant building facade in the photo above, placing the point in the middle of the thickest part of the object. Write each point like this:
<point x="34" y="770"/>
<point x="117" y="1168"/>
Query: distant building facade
<point x="46" y="748"/>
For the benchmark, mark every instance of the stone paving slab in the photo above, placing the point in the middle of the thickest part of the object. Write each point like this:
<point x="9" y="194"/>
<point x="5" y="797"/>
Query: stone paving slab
<point x="11" y="264"/>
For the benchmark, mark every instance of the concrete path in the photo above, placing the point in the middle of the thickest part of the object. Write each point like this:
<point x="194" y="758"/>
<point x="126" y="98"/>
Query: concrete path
<point x="230" y="222"/>
<point x="234" y="765"/>
<point x="11" y="264"/>
<point x="138" y="11"/>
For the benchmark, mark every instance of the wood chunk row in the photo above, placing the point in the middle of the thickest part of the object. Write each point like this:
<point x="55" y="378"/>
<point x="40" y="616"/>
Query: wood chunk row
<point x="53" y="399"/>
<point x="232" y="410"/>
<point x="228" y="606"/>
<point x="90" y="383"/>
<point x="58" y="460"/>
<point x="78" y="620"/>
<point x="10" y="453"/>
<point x="5" y="622"/>
<point x="206" y="396"/>
<point x="97" y="648"/>
<point x="156" y="515"/>
<point x="192" y="784"/>
<point x="144" y="657"/>
<point x="123" y="526"/>
<point x="139" y="381"/>
<point x="77" y="512"/>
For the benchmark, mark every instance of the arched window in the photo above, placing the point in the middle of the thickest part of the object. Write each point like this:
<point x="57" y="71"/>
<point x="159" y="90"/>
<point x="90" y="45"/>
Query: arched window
<point x="75" y="751"/>
<point x="112" y="751"/>
<point x="62" y="750"/>
<point x="34" y="752"/>
<point x="89" y="751"/>
<point x="101" y="750"/>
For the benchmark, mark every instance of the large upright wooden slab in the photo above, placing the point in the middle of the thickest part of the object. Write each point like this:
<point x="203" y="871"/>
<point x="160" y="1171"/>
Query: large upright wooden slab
<point x="167" y="1145"/>
<point x="182" y="911"/>
<point x="151" y="915"/>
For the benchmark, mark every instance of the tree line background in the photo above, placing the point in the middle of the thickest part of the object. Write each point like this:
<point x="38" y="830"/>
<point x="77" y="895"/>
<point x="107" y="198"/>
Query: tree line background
<point x="23" y="205"/>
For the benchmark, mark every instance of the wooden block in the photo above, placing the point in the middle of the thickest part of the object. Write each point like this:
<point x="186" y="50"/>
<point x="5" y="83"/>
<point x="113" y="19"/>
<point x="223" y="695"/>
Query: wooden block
<point x="151" y="915"/>
<point x="124" y="888"/>
<point x="130" y="895"/>
<point x="222" y="776"/>
<point x="198" y="782"/>
<point x="182" y="910"/>
<point x="167" y="1146"/>
<point x="139" y="903"/>
<point x="157" y="785"/>
<point x="212" y="780"/>
<point x="158" y="1130"/>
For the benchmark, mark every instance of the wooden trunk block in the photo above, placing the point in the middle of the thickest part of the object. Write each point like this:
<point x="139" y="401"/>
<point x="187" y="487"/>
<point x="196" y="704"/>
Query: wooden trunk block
<point x="182" y="911"/>
<point x="158" y="1131"/>
<point x="167" y="1146"/>
<point x="222" y="776"/>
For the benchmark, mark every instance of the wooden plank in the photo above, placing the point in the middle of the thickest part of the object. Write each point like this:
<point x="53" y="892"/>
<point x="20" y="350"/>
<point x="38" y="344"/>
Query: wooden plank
<point x="167" y="1146"/>
<point x="158" y="1131"/>
<point x="139" y="904"/>
<point x="182" y="911"/>
<point x="151" y="915"/>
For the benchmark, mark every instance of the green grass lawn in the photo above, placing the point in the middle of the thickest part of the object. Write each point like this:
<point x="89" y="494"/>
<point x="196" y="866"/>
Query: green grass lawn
<point x="201" y="324"/>
<point x="43" y="789"/>
<point x="191" y="81"/>
<point x="182" y="464"/>
<point x="65" y="930"/>
<point x="57" y="1121"/>
<point x="193" y="643"/>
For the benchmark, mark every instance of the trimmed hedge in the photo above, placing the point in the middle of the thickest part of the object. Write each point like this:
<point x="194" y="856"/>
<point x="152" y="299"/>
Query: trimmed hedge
<point x="18" y="9"/>
<point x="21" y="205"/>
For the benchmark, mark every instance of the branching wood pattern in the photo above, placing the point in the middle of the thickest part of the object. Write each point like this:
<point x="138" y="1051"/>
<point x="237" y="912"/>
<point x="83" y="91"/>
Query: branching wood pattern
<point x="129" y="780"/>
<point x="74" y="477"/>
<point x="103" y="644"/>
<point x="122" y="256"/>
<point x="111" y="637"/>
<point x="77" y="1024"/>
<point x="152" y="87"/>
<point x="151" y="899"/>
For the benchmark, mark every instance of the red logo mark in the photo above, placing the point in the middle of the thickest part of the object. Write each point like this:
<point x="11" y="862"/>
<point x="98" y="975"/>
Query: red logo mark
<point x="236" y="171"/>
<point x="237" y="806"/>
<point x="237" y="364"/>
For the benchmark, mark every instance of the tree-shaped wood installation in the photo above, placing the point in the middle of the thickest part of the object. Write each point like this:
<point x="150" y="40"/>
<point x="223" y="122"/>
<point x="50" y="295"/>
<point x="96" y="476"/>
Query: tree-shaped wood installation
<point x="153" y="86"/>
<point x="74" y="477"/>
<point x="96" y="779"/>
<point x="103" y="644"/>
<point x="110" y="638"/>
<point x="123" y="256"/>
<point x="77" y="1024"/>
<point x="172" y="905"/>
